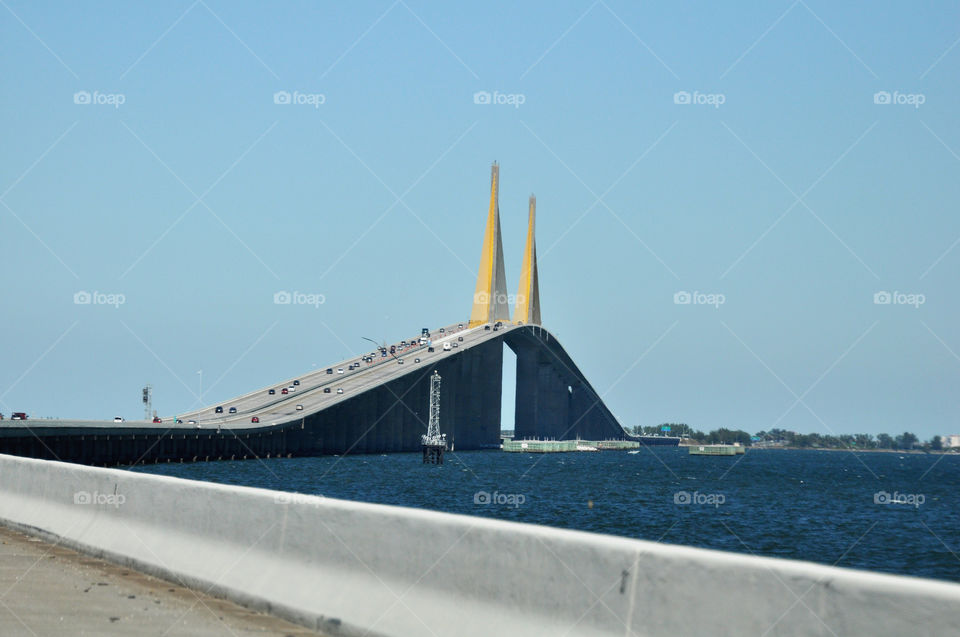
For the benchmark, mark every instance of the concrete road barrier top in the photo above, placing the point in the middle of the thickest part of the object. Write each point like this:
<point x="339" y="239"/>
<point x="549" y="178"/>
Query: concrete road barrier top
<point x="355" y="568"/>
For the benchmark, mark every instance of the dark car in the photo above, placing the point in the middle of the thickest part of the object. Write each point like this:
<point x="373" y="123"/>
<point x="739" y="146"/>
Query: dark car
<point x="272" y="392"/>
<point x="430" y="349"/>
<point x="460" y="338"/>
<point x="218" y="410"/>
<point x="18" y="415"/>
<point x="486" y="327"/>
<point x="329" y="370"/>
<point x="254" y="419"/>
<point x="233" y="410"/>
<point x="157" y="419"/>
<point x="179" y="422"/>
<point x="296" y="382"/>
<point x="326" y="390"/>
<point x="442" y="331"/>
<point x="284" y="391"/>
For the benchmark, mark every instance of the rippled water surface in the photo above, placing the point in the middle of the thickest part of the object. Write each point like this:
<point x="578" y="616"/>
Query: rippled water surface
<point x="810" y="505"/>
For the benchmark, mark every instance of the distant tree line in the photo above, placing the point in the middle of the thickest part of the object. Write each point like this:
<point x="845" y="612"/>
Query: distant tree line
<point x="784" y="437"/>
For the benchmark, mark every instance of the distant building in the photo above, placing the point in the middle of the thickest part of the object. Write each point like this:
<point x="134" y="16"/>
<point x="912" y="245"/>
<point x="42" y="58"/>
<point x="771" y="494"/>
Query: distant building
<point x="950" y="440"/>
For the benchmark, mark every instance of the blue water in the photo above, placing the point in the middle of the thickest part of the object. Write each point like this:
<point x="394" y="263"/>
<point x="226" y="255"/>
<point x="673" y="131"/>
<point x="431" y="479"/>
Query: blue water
<point x="810" y="505"/>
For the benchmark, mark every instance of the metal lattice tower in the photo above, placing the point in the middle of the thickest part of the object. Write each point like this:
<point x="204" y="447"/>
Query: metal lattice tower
<point x="434" y="437"/>
<point x="147" y="401"/>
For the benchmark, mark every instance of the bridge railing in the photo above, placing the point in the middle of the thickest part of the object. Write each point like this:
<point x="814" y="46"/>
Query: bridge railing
<point x="352" y="568"/>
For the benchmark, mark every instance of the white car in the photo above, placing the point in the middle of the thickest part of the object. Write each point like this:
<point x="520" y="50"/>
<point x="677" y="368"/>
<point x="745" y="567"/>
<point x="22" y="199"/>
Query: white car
<point x="118" y="419"/>
<point x="446" y="347"/>
<point x="299" y="407"/>
<point x="339" y="370"/>
<point x="340" y="390"/>
<point x="191" y="422"/>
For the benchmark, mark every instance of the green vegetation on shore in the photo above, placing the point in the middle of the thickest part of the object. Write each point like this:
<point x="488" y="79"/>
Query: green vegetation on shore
<point x="785" y="438"/>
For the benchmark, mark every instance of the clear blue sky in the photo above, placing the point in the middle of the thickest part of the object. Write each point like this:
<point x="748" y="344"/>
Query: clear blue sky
<point x="797" y="198"/>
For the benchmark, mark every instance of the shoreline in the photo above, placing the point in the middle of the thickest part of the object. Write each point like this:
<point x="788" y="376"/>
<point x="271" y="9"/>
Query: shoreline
<point x="941" y="452"/>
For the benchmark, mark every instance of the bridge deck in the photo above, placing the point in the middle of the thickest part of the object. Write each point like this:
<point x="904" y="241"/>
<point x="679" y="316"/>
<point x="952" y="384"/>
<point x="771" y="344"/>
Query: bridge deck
<point x="382" y="408"/>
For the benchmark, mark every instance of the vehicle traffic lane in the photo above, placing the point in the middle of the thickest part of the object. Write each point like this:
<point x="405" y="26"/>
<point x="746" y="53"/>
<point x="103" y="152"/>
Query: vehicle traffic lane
<point x="314" y="399"/>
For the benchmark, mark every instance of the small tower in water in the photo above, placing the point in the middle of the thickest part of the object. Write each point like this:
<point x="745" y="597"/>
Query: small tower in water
<point x="434" y="443"/>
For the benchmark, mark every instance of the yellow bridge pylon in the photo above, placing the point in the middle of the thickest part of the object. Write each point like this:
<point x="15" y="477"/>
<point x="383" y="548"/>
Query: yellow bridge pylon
<point x="527" y="306"/>
<point x="490" y="303"/>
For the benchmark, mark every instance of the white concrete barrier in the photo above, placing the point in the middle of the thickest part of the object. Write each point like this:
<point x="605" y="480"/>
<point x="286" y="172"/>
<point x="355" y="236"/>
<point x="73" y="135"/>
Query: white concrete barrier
<point x="354" y="568"/>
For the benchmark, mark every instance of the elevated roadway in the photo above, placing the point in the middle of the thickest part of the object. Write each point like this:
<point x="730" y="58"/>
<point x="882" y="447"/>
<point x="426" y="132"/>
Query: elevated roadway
<point x="377" y="406"/>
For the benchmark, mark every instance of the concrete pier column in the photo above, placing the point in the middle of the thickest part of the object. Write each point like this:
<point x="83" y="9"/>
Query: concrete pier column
<point x="525" y="410"/>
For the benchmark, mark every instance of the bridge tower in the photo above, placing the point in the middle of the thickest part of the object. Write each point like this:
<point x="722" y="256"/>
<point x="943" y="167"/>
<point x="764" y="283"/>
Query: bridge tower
<point x="527" y="308"/>
<point x="490" y="298"/>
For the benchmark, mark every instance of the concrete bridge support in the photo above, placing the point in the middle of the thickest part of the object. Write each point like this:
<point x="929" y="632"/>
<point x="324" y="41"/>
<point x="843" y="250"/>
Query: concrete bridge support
<point x="553" y="399"/>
